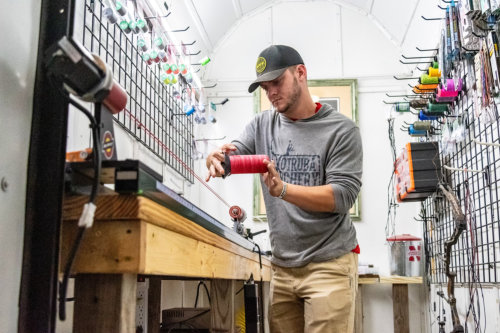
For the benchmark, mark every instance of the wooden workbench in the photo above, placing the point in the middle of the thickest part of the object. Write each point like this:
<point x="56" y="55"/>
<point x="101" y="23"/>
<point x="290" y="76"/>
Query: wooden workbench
<point x="134" y="235"/>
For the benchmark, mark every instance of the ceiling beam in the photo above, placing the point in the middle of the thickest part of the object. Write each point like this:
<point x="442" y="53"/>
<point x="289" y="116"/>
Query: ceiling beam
<point x="412" y="17"/>
<point x="237" y="8"/>
<point x="199" y="25"/>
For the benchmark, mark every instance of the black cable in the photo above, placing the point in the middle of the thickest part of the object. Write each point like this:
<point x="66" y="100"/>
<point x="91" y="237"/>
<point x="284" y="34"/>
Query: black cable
<point x="260" y="254"/>
<point x="198" y="293"/>
<point x="63" y="286"/>
<point x="261" y="292"/>
<point x="81" y="230"/>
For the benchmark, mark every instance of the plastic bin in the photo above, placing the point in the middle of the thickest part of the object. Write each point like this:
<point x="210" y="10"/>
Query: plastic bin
<point x="405" y="255"/>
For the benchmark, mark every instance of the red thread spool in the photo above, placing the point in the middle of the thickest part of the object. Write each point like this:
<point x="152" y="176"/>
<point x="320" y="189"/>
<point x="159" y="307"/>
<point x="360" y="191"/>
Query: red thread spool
<point x="117" y="98"/>
<point x="237" y="213"/>
<point x="239" y="164"/>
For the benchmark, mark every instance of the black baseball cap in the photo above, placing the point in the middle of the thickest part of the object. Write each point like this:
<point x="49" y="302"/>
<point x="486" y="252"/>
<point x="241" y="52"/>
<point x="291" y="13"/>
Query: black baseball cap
<point x="272" y="62"/>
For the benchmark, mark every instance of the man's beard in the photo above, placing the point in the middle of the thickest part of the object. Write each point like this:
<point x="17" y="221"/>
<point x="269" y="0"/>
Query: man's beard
<point x="294" y="97"/>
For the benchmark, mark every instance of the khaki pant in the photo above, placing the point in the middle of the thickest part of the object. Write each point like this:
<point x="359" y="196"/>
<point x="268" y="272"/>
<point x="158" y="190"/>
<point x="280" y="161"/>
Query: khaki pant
<point x="316" y="298"/>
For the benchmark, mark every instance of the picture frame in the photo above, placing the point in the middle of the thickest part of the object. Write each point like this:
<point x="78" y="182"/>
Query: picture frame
<point x="341" y="94"/>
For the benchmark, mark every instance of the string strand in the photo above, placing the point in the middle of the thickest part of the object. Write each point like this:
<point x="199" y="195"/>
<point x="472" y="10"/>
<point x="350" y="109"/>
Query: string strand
<point x="178" y="159"/>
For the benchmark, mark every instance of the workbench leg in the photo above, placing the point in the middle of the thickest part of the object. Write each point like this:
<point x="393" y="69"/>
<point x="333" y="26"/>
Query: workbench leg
<point x="358" y="312"/>
<point x="105" y="303"/>
<point x="400" y="308"/>
<point x="222" y="305"/>
<point x="154" y="304"/>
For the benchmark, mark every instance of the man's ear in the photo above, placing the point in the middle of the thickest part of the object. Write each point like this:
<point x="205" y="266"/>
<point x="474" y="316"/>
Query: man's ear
<point x="302" y="72"/>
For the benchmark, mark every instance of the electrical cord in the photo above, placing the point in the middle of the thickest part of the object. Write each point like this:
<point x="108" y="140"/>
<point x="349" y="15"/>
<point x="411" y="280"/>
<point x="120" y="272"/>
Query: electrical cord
<point x="93" y="195"/>
<point x="63" y="286"/>
<point x="198" y="293"/>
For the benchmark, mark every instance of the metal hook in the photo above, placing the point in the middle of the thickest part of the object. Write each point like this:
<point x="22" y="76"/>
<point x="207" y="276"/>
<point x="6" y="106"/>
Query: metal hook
<point x="212" y="86"/>
<point x="180" y="30"/>
<point x="416" y="62"/>
<point x="485" y="30"/>
<point x="422" y="70"/>
<point x="432" y="19"/>
<point x="390" y="102"/>
<point x="401" y="95"/>
<point x="478" y="36"/>
<point x="405" y="78"/>
<point x="156" y="17"/>
<point x="191" y="54"/>
<point x="467" y="50"/>
<point x="425" y="50"/>
<point x="441" y="7"/>
<point x="434" y="57"/>
<point x="184" y="44"/>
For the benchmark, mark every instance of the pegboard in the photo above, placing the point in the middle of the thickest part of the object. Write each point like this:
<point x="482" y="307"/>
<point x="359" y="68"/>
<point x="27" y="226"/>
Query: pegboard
<point x="153" y="115"/>
<point x="476" y="256"/>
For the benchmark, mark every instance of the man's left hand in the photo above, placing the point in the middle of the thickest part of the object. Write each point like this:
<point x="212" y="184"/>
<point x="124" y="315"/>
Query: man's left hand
<point x="272" y="179"/>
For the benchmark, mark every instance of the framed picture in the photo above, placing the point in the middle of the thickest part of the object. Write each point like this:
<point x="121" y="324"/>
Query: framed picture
<point x="342" y="96"/>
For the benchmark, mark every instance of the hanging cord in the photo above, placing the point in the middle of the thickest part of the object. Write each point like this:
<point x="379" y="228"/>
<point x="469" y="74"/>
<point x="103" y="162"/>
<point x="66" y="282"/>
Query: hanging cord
<point x="191" y="171"/>
<point x="63" y="286"/>
<point x="391" y="197"/>
<point x="198" y="293"/>
<point x="81" y="230"/>
<point x="261" y="292"/>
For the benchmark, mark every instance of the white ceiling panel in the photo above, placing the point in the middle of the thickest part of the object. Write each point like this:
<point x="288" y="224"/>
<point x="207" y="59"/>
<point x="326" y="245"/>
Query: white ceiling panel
<point x="249" y="5"/>
<point x="394" y="15"/>
<point x="216" y="16"/>
<point x="364" y="5"/>
<point x="366" y="50"/>
<point x="245" y="44"/>
<point x="301" y="32"/>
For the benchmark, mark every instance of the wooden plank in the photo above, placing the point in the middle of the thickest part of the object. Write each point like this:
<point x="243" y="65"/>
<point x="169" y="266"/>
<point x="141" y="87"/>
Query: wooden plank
<point x="400" y="308"/>
<point x="154" y="304"/>
<point x="374" y="279"/>
<point x="394" y="279"/>
<point x="222" y="305"/>
<point x="368" y="279"/>
<point x="170" y="253"/>
<point x="358" y="314"/>
<point x="109" y="207"/>
<point x="111" y="247"/>
<point x="105" y="303"/>
<point x="130" y="207"/>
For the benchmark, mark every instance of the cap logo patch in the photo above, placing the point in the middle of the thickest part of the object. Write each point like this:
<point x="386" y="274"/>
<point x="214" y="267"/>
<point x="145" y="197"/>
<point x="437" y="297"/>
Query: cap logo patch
<point x="261" y="65"/>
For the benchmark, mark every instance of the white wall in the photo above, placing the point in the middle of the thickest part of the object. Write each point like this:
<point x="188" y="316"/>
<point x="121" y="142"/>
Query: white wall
<point x="17" y="72"/>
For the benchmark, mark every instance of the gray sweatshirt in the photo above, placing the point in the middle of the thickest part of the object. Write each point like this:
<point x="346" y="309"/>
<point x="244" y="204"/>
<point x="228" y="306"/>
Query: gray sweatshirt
<point x="323" y="149"/>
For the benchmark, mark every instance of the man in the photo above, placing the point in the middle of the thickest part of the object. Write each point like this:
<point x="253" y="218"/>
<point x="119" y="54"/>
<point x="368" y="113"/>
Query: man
<point x="313" y="180"/>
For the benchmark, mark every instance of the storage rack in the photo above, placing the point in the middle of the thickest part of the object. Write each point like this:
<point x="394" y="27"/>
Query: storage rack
<point x="153" y="116"/>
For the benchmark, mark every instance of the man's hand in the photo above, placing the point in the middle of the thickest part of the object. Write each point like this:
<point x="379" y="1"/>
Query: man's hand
<point x="272" y="179"/>
<point x="214" y="160"/>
